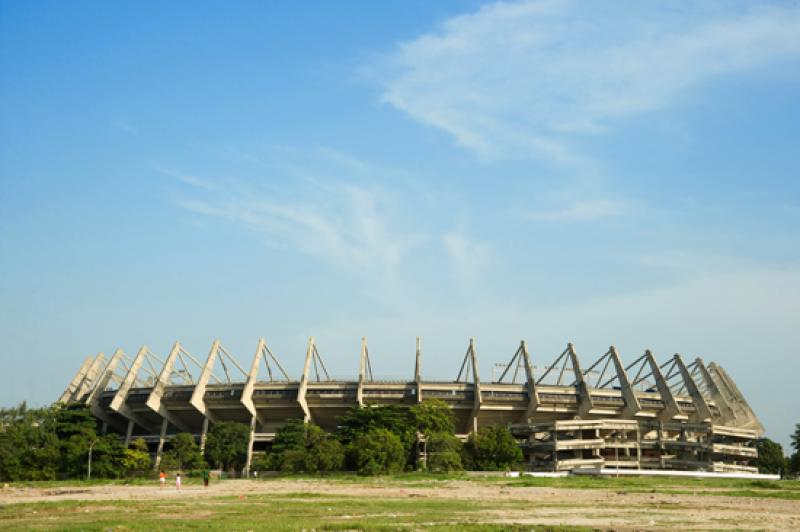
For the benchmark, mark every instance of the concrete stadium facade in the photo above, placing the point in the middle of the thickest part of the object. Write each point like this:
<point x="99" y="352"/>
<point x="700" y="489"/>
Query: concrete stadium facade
<point x="673" y="415"/>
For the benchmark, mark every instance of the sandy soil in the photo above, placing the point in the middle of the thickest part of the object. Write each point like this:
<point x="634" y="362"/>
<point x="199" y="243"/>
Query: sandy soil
<point x="604" y="509"/>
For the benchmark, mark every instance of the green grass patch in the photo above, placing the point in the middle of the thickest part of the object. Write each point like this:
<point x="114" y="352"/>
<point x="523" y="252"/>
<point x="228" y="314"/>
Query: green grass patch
<point x="273" y="512"/>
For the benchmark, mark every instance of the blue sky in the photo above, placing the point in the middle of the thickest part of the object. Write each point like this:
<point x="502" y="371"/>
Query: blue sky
<point x="604" y="173"/>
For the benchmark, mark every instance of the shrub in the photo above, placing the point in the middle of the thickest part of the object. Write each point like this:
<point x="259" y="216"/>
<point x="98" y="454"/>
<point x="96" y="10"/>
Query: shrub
<point x="226" y="445"/>
<point x="443" y="452"/>
<point x="378" y="451"/>
<point x="184" y="454"/>
<point x="324" y="453"/>
<point x="300" y="447"/>
<point x="293" y="461"/>
<point x="770" y="456"/>
<point x="433" y="416"/>
<point x="491" y="449"/>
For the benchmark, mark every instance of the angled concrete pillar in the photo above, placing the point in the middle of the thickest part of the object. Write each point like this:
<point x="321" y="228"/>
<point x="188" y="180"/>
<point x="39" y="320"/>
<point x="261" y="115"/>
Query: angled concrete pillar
<point x="702" y="411"/>
<point x="632" y="406"/>
<point x="129" y="433"/>
<point x="93" y="401"/>
<point x="746" y="418"/>
<point x="89" y="378"/>
<point x="160" y="449"/>
<point x="478" y="398"/>
<point x="252" y="376"/>
<point x="418" y="372"/>
<point x="671" y="407"/>
<point x="362" y="369"/>
<point x="72" y="387"/>
<point x="585" y="404"/>
<point x="533" y="392"/>
<point x="154" y="399"/>
<point x="199" y="392"/>
<point x="118" y="403"/>
<point x="249" y="461"/>
<point x="727" y="415"/>
<point x="203" y="435"/>
<point x="104" y="378"/>
<point x="303" y="387"/>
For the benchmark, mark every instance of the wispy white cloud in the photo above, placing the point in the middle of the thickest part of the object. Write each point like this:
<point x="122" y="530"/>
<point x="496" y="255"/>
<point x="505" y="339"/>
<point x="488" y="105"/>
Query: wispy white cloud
<point x="343" y="224"/>
<point x="468" y="256"/>
<point x="345" y="212"/>
<point x="527" y="77"/>
<point x="189" y="179"/>
<point x="584" y="210"/>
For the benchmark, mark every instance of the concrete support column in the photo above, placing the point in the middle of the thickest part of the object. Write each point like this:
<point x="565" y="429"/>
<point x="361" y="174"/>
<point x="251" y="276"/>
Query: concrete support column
<point x="252" y="376"/>
<point x="154" y="399"/>
<point x="476" y="405"/>
<point x="75" y="382"/>
<point x="129" y="433"/>
<point x="702" y="411"/>
<point x="362" y="369"/>
<point x="301" y="389"/>
<point x="90" y="378"/>
<point x="533" y="393"/>
<point x="632" y="406"/>
<point x="249" y="461"/>
<point x="418" y="372"/>
<point x="198" y="395"/>
<point x="727" y="415"/>
<point x="585" y="404"/>
<point x="203" y="435"/>
<point x="161" y="440"/>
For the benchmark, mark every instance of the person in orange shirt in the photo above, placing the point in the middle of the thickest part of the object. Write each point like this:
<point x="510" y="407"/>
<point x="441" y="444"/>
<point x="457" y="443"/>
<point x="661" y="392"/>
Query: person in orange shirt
<point x="162" y="478"/>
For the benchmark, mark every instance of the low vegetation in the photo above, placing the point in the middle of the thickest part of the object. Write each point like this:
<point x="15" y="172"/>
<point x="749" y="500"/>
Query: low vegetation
<point x="55" y="442"/>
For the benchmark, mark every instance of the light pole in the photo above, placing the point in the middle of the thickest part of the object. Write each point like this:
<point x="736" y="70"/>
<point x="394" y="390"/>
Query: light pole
<point x="89" y="470"/>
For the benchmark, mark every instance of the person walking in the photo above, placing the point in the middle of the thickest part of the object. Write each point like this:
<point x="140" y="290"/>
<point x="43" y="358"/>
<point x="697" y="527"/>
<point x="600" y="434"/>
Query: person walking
<point x="162" y="479"/>
<point x="178" y="481"/>
<point x="205" y="477"/>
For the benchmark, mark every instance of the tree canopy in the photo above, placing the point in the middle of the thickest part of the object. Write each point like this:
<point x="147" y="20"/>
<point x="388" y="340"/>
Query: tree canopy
<point x="226" y="444"/>
<point x="770" y="456"/>
<point x="491" y="449"/>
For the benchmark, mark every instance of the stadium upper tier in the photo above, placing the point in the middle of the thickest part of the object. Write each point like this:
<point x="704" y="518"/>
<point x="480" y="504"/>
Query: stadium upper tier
<point x="146" y="396"/>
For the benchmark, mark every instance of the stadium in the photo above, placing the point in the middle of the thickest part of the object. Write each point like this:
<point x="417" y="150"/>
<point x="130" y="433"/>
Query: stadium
<point x="646" y="415"/>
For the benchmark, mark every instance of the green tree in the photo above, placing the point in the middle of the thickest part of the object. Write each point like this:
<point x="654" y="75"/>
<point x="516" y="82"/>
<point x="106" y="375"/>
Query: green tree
<point x="183" y="454"/>
<point x="137" y="458"/>
<point x="226" y="445"/>
<point x="433" y="416"/>
<point x="29" y="448"/>
<point x="794" y="460"/>
<point x="108" y="457"/>
<point x="770" y="456"/>
<point x="443" y="452"/>
<point x="290" y="437"/>
<point x="301" y="447"/>
<point x="75" y="428"/>
<point x="323" y="452"/>
<point x="360" y="420"/>
<point x="378" y="451"/>
<point x="794" y="464"/>
<point x="491" y="449"/>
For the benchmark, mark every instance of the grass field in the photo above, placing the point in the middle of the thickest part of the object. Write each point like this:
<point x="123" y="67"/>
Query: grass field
<point x="405" y="502"/>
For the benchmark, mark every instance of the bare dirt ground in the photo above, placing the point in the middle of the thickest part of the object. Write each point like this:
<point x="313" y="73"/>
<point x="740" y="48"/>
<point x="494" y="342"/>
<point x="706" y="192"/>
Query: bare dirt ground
<point x="595" y="508"/>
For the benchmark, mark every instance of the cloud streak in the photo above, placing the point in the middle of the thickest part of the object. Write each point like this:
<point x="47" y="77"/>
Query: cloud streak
<point x="528" y="78"/>
<point x="338" y="223"/>
<point x="584" y="210"/>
